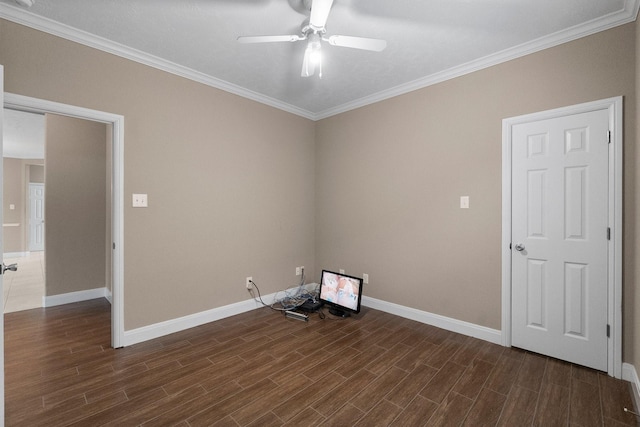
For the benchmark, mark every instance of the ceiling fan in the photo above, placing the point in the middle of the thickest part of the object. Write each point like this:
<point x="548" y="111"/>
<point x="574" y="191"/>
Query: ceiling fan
<point x="314" y="31"/>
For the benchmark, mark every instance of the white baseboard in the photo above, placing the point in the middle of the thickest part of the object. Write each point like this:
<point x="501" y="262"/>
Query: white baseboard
<point x="167" y="327"/>
<point x="629" y="374"/>
<point x="442" y="322"/>
<point x="71" y="297"/>
<point x="108" y="295"/>
<point x="157" y="330"/>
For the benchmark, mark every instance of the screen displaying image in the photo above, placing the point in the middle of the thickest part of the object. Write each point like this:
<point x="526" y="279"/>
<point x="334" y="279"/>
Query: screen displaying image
<point x="340" y="290"/>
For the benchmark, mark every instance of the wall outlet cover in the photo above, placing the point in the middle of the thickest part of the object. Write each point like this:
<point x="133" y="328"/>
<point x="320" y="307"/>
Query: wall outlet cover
<point x="139" y="201"/>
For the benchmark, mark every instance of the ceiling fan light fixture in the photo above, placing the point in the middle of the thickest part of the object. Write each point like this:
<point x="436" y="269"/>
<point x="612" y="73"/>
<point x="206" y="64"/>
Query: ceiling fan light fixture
<point x="315" y="57"/>
<point x="312" y="56"/>
<point x="315" y="49"/>
<point x="313" y="30"/>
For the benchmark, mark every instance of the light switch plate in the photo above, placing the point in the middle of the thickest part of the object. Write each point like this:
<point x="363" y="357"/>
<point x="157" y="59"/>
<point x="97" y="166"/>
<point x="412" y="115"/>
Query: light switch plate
<point x="464" y="202"/>
<point x="140" y="201"/>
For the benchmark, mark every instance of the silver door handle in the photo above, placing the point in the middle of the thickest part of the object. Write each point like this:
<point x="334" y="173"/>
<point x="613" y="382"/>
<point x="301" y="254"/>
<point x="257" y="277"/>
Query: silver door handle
<point x="11" y="267"/>
<point x="519" y="247"/>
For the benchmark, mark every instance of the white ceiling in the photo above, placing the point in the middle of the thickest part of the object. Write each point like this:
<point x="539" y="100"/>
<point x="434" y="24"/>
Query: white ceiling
<point x="428" y="41"/>
<point x="23" y="135"/>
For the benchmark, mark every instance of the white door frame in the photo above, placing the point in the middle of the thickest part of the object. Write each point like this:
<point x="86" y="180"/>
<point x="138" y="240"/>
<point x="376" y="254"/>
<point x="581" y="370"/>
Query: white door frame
<point x="614" y="261"/>
<point x="35" y="105"/>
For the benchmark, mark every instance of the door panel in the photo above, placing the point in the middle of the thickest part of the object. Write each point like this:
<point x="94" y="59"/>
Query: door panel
<point x="36" y="217"/>
<point x="1" y="253"/>
<point x="559" y="216"/>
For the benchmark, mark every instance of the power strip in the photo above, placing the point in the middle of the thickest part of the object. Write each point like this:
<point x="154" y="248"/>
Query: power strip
<point x="298" y="316"/>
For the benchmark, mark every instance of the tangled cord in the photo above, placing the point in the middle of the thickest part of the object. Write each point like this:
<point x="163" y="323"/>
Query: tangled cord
<point x="291" y="300"/>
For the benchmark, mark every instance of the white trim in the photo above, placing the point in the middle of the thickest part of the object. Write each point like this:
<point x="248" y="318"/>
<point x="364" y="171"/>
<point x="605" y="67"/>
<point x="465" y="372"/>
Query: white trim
<point x="630" y="374"/>
<point x="71" y="297"/>
<point x="108" y="295"/>
<point x="24" y="17"/>
<point x="26" y="103"/>
<point x="442" y="322"/>
<point x="1" y="249"/>
<point x="624" y="16"/>
<point x="161" y="329"/>
<point x="167" y="327"/>
<point x="614" y="106"/>
<point x="15" y="254"/>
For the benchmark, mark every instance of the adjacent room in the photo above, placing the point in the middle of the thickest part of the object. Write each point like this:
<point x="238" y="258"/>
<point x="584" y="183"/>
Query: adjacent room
<point x="460" y="158"/>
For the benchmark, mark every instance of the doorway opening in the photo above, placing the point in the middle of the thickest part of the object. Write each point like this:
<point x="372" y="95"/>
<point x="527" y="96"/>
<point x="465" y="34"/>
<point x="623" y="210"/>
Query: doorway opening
<point x="23" y="209"/>
<point x="116" y="234"/>
<point x="612" y="229"/>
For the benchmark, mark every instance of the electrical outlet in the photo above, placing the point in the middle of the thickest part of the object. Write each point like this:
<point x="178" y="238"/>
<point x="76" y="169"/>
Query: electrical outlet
<point x="299" y="271"/>
<point x="248" y="282"/>
<point x="365" y="278"/>
<point x="341" y="271"/>
<point x="139" y="201"/>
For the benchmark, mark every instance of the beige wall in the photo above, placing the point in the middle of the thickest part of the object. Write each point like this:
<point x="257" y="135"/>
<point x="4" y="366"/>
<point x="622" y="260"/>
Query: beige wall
<point x="75" y="204"/>
<point x="230" y="181"/>
<point x="14" y="194"/>
<point x="232" y="190"/>
<point x="36" y="174"/>
<point x="389" y="177"/>
<point x="17" y="174"/>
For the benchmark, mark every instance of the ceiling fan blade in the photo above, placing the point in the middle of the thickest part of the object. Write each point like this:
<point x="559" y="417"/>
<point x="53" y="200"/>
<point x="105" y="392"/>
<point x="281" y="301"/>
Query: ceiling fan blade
<point x="269" y="39"/>
<point x="308" y="66"/>
<point x="364" y="43"/>
<point x="319" y="13"/>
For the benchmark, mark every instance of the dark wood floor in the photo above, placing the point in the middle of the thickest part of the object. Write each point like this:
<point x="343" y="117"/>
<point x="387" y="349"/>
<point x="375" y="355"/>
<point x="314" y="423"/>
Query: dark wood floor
<point x="260" y="368"/>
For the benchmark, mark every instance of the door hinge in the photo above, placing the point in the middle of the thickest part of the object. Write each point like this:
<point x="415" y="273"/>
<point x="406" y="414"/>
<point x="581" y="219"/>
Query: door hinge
<point x="114" y="246"/>
<point x="608" y="331"/>
<point x="608" y="233"/>
<point x="609" y="136"/>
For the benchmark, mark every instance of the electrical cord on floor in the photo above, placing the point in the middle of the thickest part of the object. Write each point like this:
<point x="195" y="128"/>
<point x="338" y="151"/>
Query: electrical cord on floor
<point x="287" y="303"/>
<point x="292" y="300"/>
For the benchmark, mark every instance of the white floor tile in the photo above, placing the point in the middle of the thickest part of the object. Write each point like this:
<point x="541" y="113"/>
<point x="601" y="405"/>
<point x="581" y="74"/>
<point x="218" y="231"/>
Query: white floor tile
<point x="24" y="289"/>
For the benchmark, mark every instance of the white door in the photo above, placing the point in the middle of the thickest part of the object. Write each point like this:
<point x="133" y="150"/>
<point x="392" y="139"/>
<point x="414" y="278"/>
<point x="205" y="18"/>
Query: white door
<point x="1" y="260"/>
<point x="559" y="237"/>
<point x="36" y="217"/>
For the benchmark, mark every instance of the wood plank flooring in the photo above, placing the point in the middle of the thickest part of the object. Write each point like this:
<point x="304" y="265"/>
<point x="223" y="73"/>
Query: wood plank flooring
<point x="262" y="369"/>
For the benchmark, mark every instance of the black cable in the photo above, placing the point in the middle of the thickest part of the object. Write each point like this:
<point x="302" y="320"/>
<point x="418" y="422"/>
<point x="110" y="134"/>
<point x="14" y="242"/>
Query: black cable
<point x="284" y="308"/>
<point x="260" y="296"/>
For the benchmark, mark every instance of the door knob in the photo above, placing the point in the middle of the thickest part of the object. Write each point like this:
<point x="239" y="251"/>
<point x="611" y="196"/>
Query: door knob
<point x="11" y="267"/>
<point x="519" y="247"/>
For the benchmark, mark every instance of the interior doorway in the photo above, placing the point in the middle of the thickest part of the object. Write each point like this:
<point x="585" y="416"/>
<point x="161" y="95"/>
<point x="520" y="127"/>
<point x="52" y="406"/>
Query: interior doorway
<point x="23" y="209"/>
<point x="559" y="223"/>
<point x="538" y="221"/>
<point x="115" y="236"/>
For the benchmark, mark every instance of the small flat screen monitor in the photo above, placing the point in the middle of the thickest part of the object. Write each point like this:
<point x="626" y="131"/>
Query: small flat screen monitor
<point x="342" y="293"/>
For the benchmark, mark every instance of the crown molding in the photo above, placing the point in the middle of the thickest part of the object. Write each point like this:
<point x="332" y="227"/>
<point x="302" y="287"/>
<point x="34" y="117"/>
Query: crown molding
<point x="20" y="16"/>
<point x="15" y="14"/>
<point x="628" y="14"/>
